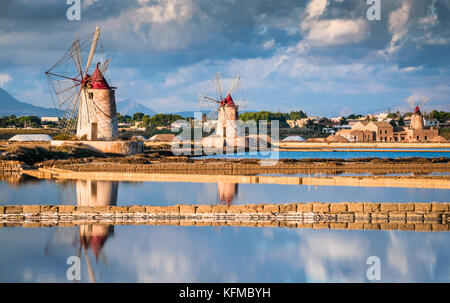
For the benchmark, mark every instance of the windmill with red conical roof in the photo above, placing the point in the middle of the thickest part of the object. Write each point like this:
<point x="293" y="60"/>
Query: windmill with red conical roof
<point x="416" y="102"/>
<point x="224" y="109"/>
<point x="87" y="102"/>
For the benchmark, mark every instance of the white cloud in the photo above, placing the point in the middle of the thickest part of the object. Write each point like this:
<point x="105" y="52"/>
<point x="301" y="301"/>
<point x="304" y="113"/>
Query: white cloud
<point x="187" y="74"/>
<point x="431" y="18"/>
<point x="270" y="44"/>
<point x="162" y="11"/>
<point x="4" y="78"/>
<point x="428" y="20"/>
<point x="87" y="3"/>
<point x="159" y="25"/>
<point x="325" y="258"/>
<point x="329" y="32"/>
<point x="398" y="26"/>
<point x="335" y="32"/>
<point x="316" y="8"/>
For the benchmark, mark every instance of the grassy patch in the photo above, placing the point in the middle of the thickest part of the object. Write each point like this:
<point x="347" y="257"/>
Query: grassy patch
<point x="445" y="132"/>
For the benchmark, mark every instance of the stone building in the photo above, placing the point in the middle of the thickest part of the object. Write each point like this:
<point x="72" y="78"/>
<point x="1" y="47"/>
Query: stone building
<point x="382" y="131"/>
<point x="417" y="132"/>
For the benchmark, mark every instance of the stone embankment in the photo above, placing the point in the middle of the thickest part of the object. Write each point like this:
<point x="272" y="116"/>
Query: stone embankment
<point x="10" y="166"/>
<point x="316" y="215"/>
<point x="253" y="167"/>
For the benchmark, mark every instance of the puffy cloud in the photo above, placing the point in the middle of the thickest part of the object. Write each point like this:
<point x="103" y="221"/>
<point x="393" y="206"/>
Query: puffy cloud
<point x="316" y="8"/>
<point x="398" y="26"/>
<point x="270" y="44"/>
<point x="293" y="51"/>
<point x="336" y="31"/>
<point x="327" y="32"/>
<point x="162" y="11"/>
<point x="4" y="78"/>
<point x="431" y="18"/>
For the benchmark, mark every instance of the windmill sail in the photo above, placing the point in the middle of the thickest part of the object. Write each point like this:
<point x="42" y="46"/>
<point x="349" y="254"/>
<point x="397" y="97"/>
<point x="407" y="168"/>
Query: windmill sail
<point x="68" y="78"/>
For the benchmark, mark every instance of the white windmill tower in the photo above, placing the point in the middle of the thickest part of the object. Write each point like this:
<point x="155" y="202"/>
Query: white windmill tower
<point x="417" y="102"/>
<point x="224" y="110"/>
<point x="86" y="101"/>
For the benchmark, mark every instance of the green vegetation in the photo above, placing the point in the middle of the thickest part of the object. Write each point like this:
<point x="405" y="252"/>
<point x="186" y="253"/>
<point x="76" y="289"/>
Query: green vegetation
<point x="124" y="119"/>
<point x="64" y="136"/>
<point x="440" y="116"/>
<point x="24" y="121"/>
<point x="445" y="132"/>
<point x="297" y="115"/>
<point x="266" y="116"/>
<point x="155" y="121"/>
<point x="354" y="116"/>
<point x="163" y="120"/>
<point x="150" y="131"/>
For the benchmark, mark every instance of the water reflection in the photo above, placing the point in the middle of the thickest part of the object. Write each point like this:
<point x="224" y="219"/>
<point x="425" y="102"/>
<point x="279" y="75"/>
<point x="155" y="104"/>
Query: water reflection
<point x="227" y="192"/>
<point x="94" y="236"/>
<point x="96" y="193"/>
<point x="229" y="254"/>
<point x="170" y="193"/>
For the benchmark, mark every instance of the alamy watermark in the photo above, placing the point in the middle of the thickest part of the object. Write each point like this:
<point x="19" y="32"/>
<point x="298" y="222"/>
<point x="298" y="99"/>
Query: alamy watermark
<point x="373" y="273"/>
<point x="374" y="11"/>
<point x="73" y="273"/>
<point x="74" y="11"/>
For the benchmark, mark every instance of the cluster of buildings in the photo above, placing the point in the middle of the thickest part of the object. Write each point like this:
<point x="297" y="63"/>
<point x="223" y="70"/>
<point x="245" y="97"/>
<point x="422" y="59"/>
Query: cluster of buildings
<point x="383" y="131"/>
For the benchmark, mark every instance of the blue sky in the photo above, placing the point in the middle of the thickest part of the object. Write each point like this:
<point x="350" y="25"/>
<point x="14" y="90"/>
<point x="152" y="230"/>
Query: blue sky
<point x="320" y="56"/>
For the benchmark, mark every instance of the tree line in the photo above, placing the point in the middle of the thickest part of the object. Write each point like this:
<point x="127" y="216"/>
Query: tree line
<point x="23" y="121"/>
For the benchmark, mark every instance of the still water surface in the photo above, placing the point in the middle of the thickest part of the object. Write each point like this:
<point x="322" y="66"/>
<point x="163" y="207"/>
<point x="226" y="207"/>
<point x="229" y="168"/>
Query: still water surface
<point x="168" y="193"/>
<point x="214" y="254"/>
<point x="338" y="154"/>
<point x="224" y="254"/>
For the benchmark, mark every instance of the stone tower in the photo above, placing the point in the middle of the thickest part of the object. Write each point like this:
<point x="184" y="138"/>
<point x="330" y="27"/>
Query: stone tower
<point x="417" y="119"/>
<point x="97" y="114"/>
<point x="227" y="120"/>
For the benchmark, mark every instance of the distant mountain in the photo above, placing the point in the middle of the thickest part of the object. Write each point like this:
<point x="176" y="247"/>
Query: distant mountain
<point x="11" y="106"/>
<point x="130" y="107"/>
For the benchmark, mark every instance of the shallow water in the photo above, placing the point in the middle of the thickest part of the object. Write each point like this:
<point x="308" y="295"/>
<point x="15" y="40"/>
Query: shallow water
<point x="225" y="254"/>
<point x="169" y="193"/>
<point x="215" y="254"/>
<point x="342" y="174"/>
<point x="334" y="154"/>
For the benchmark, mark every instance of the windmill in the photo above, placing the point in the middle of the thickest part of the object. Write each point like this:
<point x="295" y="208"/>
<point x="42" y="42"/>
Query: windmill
<point x="416" y="102"/>
<point x="87" y="102"/>
<point x="223" y="108"/>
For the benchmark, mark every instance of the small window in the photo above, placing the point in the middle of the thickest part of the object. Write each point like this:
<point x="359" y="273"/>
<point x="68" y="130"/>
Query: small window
<point x="426" y="138"/>
<point x="91" y="95"/>
<point x="385" y="131"/>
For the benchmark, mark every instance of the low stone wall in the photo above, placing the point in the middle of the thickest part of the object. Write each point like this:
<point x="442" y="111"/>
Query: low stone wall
<point x="346" y="215"/>
<point x="110" y="147"/>
<point x="228" y="168"/>
<point x="10" y="166"/>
